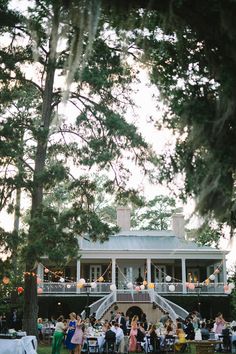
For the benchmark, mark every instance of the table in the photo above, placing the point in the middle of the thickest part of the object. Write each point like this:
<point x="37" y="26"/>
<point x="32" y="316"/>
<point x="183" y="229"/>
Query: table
<point x="203" y="346"/>
<point x="24" y="345"/>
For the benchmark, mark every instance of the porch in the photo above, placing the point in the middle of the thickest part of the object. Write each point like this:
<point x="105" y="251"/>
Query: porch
<point x="166" y="276"/>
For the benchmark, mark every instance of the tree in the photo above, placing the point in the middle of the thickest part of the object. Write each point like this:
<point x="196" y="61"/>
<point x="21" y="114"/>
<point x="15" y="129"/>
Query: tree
<point x="189" y="48"/>
<point x="154" y="215"/>
<point x="52" y="40"/>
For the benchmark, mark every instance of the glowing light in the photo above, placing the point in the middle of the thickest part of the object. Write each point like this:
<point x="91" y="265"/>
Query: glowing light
<point x="168" y="278"/>
<point x="151" y="285"/>
<point x="113" y="287"/>
<point x="100" y="279"/>
<point x="20" y="290"/>
<point x="5" y="280"/>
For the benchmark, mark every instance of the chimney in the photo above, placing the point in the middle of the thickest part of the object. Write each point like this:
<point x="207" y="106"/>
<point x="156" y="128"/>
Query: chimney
<point x="123" y="218"/>
<point x="178" y="224"/>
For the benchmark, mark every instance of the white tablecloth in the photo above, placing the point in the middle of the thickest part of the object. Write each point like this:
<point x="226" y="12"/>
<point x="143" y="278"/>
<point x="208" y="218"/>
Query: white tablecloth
<point x="27" y="344"/>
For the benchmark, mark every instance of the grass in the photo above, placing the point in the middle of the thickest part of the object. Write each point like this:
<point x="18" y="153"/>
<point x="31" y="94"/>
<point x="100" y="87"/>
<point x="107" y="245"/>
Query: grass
<point x="47" y="349"/>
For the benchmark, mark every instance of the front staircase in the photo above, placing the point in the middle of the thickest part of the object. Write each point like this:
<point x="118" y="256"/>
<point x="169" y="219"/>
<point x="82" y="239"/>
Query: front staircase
<point x="101" y="307"/>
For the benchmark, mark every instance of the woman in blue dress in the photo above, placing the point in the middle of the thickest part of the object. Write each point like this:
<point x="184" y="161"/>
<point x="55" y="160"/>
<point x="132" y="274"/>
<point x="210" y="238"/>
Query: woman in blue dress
<point x="70" y="332"/>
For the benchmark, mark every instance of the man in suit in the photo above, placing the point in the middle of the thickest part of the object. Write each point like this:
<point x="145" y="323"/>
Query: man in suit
<point x="121" y="321"/>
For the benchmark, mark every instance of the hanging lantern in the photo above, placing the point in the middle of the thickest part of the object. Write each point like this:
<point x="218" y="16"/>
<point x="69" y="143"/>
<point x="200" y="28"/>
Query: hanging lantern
<point x="191" y="286"/>
<point x="231" y="286"/>
<point x="62" y="280"/>
<point x="68" y="286"/>
<point x="168" y="278"/>
<point x="113" y="287"/>
<point x="38" y="280"/>
<point x="226" y="288"/>
<point x="207" y="281"/>
<point x="137" y="288"/>
<point x="100" y="279"/>
<point x="5" y="280"/>
<point x="142" y="287"/>
<point x="82" y="281"/>
<point x="145" y="282"/>
<point x="228" y="292"/>
<point x="212" y="277"/>
<point x="151" y="285"/>
<point x="130" y="285"/>
<point x="79" y="285"/>
<point x="46" y="270"/>
<point x="20" y="290"/>
<point x="40" y="290"/>
<point x="93" y="285"/>
<point x="172" y="287"/>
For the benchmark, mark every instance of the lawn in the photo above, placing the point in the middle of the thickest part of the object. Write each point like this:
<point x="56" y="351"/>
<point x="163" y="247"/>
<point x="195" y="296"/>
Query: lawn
<point x="45" y="349"/>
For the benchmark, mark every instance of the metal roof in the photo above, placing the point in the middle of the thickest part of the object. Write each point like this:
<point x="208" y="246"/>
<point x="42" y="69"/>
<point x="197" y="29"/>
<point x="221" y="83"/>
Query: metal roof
<point x="143" y="240"/>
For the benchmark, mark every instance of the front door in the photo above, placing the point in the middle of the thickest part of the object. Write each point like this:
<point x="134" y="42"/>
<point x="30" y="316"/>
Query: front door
<point x="95" y="272"/>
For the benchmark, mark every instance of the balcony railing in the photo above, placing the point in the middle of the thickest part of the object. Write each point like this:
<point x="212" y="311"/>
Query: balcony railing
<point x="104" y="288"/>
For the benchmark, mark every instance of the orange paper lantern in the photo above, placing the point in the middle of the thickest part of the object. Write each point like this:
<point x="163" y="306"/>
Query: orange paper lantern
<point x="5" y="280"/>
<point x="145" y="282"/>
<point x="151" y="285"/>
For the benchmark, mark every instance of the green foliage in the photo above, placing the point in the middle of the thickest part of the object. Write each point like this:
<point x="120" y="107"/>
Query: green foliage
<point x="188" y="46"/>
<point x="154" y="215"/>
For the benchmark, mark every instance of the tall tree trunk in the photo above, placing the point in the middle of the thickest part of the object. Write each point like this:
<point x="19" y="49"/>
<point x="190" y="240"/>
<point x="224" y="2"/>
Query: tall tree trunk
<point x="32" y="257"/>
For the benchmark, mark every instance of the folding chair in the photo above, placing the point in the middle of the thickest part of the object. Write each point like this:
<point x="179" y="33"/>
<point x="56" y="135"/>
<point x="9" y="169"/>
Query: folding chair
<point x="168" y="345"/>
<point x="110" y="346"/>
<point x="153" y="345"/>
<point x="92" y="345"/>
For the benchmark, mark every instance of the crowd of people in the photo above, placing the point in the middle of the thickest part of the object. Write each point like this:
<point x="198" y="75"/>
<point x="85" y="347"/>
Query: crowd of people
<point x="73" y="331"/>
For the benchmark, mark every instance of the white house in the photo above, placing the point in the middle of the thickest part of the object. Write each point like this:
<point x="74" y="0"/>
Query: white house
<point x="138" y="269"/>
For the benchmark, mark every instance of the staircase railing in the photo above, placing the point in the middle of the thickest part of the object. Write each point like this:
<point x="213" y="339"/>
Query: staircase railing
<point x="182" y="313"/>
<point x="163" y="304"/>
<point x="93" y="307"/>
<point x="104" y="306"/>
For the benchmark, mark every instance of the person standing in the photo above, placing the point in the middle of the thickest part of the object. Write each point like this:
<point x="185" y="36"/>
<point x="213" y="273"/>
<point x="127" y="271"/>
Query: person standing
<point x="121" y="321"/>
<point x="70" y="332"/>
<point x="133" y="334"/>
<point x="219" y="323"/>
<point x="58" y="335"/>
<point x="78" y="336"/>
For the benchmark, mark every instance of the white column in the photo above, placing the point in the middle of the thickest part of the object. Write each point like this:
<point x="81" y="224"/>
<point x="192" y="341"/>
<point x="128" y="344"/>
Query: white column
<point x="183" y="264"/>
<point x="113" y="271"/>
<point x="77" y="274"/>
<point x="148" y="270"/>
<point x="40" y="271"/>
<point x="224" y="270"/>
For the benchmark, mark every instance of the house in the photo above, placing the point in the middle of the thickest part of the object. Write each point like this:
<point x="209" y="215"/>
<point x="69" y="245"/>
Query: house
<point x="138" y="271"/>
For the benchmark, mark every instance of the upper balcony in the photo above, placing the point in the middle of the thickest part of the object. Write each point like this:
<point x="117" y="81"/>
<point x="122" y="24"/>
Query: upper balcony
<point x="53" y="288"/>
